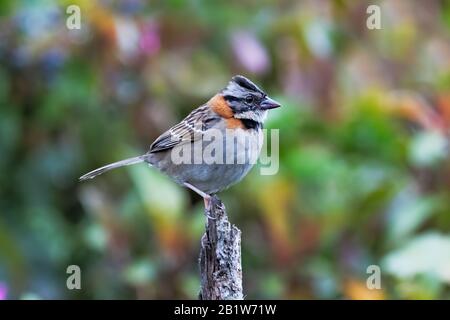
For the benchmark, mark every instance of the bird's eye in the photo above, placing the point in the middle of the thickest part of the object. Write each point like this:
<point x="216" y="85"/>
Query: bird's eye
<point x="249" y="99"/>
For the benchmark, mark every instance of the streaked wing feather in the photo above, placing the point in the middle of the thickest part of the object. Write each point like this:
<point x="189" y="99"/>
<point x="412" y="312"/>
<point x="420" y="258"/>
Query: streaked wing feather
<point x="189" y="129"/>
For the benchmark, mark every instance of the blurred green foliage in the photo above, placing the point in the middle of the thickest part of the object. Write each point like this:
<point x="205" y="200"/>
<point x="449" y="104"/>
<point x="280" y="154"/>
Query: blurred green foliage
<point x="364" y="151"/>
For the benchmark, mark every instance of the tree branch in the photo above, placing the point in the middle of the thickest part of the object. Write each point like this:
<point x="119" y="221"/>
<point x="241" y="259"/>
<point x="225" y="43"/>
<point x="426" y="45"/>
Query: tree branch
<point x="220" y="256"/>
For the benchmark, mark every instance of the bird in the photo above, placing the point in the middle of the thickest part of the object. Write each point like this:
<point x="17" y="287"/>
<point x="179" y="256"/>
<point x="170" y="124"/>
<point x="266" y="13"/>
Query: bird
<point x="234" y="117"/>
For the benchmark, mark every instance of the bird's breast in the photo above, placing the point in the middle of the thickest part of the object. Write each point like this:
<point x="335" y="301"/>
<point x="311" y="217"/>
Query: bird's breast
<point x="242" y="146"/>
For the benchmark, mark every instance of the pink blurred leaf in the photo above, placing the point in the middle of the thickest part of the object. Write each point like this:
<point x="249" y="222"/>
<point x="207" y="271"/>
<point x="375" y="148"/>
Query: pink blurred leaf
<point x="250" y="53"/>
<point x="3" y="291"/>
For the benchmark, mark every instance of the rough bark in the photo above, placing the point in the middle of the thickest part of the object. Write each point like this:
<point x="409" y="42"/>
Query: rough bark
<point x="220" y="256"/>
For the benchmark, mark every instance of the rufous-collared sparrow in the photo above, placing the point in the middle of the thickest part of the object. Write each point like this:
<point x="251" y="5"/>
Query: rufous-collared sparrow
<point x="232" y="119"/>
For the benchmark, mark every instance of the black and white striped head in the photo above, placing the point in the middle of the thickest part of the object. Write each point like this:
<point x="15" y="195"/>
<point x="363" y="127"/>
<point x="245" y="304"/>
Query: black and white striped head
<point x="246" y="100"/>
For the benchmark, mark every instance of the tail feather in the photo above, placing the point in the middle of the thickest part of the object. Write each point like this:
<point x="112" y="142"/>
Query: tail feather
<point x="99" y="171"/>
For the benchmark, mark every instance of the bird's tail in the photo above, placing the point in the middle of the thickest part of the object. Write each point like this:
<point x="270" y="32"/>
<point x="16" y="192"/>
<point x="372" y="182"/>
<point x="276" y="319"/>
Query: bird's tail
<point x="126" y="162"/>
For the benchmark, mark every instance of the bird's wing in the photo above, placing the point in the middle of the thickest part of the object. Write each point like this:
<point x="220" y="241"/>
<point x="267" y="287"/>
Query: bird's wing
<point x="189" y="129"/>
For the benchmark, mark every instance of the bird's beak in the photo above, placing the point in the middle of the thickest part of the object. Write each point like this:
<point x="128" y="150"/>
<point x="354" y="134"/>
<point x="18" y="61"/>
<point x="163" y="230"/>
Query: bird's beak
<point x="269" y="103"/>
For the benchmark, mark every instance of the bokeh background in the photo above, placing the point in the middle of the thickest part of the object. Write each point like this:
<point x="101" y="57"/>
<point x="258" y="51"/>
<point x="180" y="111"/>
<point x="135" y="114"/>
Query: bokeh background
<point x="364" y="151"/>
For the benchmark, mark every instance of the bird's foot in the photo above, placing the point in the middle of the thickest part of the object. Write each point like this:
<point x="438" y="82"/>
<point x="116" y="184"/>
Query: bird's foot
<point x="208" y="201"/>
<point x="205" y="242"/>
<point x="206" y="198"/>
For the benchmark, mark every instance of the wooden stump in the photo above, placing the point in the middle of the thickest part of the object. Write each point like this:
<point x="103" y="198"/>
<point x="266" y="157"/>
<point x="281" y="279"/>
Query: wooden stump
<point x="220" y="256"/>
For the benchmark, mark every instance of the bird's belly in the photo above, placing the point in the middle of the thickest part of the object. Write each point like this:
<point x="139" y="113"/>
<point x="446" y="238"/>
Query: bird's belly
<point x="211" y="177"/>
<point x="216" y="177"/>
<point x="240" y="153"/>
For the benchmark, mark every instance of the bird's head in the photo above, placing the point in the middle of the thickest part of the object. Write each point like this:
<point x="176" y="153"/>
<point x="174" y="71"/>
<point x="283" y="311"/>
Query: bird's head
<point x="246" y="100"/>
